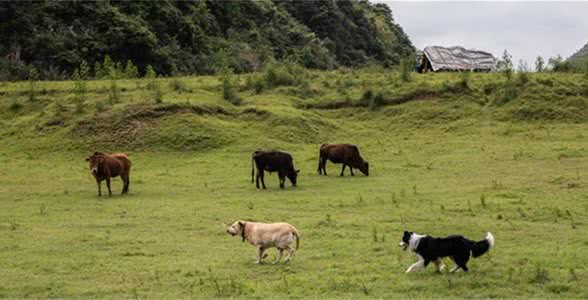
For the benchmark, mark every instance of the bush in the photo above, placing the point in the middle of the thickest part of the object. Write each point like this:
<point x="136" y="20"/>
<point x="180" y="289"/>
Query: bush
<point x="406" y="68"/>
<point x="131" y="71"/>
<point x="284" y="73"/>
<point x="153" y="85"/>
<point x="377" y="101"/>
<point x="11" y="69"/>
<point x="33" y="78"/>
<point x="523" y="78"/>
<point x="465" y="83"/>
<point x="367" y="97"/>
<point x="228" y="85"/>
<point x="256" y="83"/>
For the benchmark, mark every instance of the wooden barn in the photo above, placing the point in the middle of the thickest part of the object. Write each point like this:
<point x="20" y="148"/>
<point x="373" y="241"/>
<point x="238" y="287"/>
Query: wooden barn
<point x="455" y="59"/>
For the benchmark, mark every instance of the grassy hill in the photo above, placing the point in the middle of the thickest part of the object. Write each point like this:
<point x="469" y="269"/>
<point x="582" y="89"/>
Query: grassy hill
<point x="448" y="153"/>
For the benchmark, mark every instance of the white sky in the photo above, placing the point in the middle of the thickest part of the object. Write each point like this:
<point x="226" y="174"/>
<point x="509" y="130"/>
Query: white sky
<point x="525" y="29"/>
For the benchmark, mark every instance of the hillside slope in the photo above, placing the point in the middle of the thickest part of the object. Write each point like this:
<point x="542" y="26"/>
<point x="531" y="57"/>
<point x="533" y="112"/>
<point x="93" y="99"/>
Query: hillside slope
<point x="193" y="115"/>
<point x="184" y="37"/>
<point x="580" y="56"/>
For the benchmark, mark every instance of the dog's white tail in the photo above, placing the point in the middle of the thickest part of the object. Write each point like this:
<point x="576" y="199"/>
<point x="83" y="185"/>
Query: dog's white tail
<point x="490" y="239"/>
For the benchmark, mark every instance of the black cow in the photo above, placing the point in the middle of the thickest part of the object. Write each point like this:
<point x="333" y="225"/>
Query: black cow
<point x="273" y="161"/>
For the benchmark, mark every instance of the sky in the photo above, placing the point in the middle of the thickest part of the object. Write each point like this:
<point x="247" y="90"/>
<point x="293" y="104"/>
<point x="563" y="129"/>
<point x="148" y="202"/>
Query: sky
<point x="525" y="29"/>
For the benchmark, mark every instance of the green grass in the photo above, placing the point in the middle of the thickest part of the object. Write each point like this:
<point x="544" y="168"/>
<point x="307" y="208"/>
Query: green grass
<point x="446" y="159"/>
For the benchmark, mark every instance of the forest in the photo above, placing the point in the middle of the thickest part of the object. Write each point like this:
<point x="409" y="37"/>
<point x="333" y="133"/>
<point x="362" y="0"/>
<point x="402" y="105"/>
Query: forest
<point x="187" y="37"/>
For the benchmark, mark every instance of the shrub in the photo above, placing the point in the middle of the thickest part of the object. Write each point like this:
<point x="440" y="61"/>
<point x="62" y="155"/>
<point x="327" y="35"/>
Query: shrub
<point x="523" y="78"/>
<point x="465" y="83"/>
<point x="377" y="101"/>
<point x="367" y="97"/>
<point x="98" y="71"/>
<point x="153" y="85"/>
<point x="228" y="86"/>
<point x="131" y="71"/>
<point x="80" y="88"/>
<point x="284" y="73"/>
<point x="406" y="68"/>
<point x="33" y="78"/>
<point x="256" y="83"/>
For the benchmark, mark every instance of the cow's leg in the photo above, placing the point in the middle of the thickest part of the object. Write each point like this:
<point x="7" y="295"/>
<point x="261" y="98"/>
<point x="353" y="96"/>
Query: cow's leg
<point x="99" y="184"/>
<point x="125" y="180"/>
<point x="108" y="186"/>
<point x="351" y="170"/>
<point x="343" y="170"/>
<point x="282" y="180"/>
<point x="325" y="166"/>
<point x="320" y="166"/>
<point x="257" y="179"/>
<point x="262" y="180"/>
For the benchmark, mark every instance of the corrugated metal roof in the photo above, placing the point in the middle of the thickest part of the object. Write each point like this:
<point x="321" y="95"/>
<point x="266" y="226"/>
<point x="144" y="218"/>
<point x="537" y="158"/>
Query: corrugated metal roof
<point x="459" y="59"/>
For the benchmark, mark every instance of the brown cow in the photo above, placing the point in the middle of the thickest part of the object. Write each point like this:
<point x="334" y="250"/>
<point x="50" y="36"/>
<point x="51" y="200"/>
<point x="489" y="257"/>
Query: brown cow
<point x="105" y="166"/>
<point x="273" y="161"/>
<point x="346" y="154"/>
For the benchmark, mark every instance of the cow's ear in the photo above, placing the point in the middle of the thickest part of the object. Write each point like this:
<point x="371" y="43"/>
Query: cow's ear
<point x="241" y="224"/>
<point x="297" y="171"/>
<point x="87" y="159"/>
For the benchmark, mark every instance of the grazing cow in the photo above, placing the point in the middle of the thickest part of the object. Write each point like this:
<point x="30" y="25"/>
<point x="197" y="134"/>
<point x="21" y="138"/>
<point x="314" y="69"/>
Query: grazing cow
<point x="105" y="166"/>
<point x="345" y="154"/>
<point x="273" y="161"/>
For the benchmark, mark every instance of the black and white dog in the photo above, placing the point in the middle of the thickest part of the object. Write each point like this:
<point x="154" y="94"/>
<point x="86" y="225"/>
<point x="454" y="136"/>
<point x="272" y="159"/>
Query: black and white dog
<point x="431" y="249"/>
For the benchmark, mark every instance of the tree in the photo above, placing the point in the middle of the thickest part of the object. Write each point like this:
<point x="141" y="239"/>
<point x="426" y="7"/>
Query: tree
<point x="539" y="64"/>
<point x="131" y="70"/>
<point x="523" y="66"/>
<point x="505" y="65"/>
<point x="558" y="64"/>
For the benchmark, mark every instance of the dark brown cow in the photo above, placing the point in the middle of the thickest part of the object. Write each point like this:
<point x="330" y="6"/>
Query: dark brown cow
<point x="273" y="161"/>
<point x="345" y="154"/>
<point x="105" y="166"/>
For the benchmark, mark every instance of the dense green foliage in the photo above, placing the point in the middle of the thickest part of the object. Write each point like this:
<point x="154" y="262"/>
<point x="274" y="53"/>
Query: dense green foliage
<point x="449" y="153"/>
<point x="183" y="37"/>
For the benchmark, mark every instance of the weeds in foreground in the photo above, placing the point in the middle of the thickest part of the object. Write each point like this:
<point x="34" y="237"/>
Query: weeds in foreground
<point x="33" y="78"/>
<point x="153" y="85"/>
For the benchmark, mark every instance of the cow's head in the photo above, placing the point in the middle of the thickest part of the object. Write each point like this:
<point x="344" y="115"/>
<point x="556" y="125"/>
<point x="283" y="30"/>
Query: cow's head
<point x="94" y="161"/>
<point x="365" y="168"/>
<point x="292" y="175"/>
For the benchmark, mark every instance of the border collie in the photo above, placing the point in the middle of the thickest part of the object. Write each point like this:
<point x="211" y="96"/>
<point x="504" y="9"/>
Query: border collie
<point x="430" y="249"/>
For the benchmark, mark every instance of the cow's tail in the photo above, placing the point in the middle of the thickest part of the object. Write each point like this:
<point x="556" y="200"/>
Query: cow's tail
<point x="252" y="166"/>
<point x="295" y="233"/>
<point x="483" y="246"/>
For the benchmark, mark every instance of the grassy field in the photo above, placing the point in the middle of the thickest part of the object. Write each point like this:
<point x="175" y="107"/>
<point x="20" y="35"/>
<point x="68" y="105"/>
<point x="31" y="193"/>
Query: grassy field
<point x="448" y="154"/>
